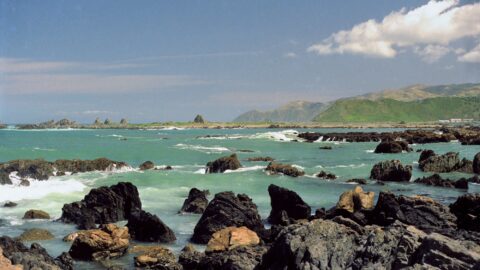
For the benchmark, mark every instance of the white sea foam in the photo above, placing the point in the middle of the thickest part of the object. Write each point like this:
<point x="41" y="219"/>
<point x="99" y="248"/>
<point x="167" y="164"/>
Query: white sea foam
<point x="370" y="151"/>
<point x="223" y="137"/>
<point x="200" y="171"/>
<point x="343" y="166"/>
<point x="44" y="149"/>
<point x="246" y="169"/>
<point x="283" y="136"/>
<point x="172" y="128"/>
<point x="204" y="149"/>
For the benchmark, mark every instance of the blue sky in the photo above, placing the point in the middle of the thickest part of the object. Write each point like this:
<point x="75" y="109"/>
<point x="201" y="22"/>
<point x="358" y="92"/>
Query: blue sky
<point x="169" y="60"/>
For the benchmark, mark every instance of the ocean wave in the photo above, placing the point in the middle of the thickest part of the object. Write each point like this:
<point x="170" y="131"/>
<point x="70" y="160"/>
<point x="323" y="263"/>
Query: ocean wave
<point x="370" y="151"/>
<point x="44" y="149"/>
<point x="223" y="137"/>
<point x="200" y="171"/>
<point x="246" y="169"/>
<point x="282" y="136"/>
<point x="354" y="166"/>
<point x="172" y="128"/>
<point x="204" y="149"/>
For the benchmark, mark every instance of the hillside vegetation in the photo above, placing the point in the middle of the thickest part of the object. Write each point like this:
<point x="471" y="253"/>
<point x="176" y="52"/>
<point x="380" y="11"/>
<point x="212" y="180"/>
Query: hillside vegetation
<point x="297" y="111"/>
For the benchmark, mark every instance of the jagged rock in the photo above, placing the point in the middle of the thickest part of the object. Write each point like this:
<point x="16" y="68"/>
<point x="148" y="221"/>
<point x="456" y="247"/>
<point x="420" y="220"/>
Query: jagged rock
<point x="449" y="162"/>
<point x="232" y="237"/>
<point x="438" y="181"/>
<point x="107" y="242"/>
<point x="5" y="178"/>
<point x="391" y="170"/>
<point x="266" y="159"/>
<point x="356" y="199"/>
<point x="78" y="166"/>
<point x="36" y="235"/>
<point x="222" y="164"/>
<point x="10" y="204"/>
<point x="36" y="214"/>
<point x="155" y="257"/>
<point x="286" y="204"/>
<point x="241" y="258"/>
<point x="190" y="258"/>
<point x="467" y="210"/>
<point x="392" y="147"/>
<point x="147" y="165"/>
<point x="33" y="258"/>
<point x="326" y="175"/>
<point x="196" y="201"/>
<point x="318" y="244"/>
<point x="357" y="181"/>
<point x="285" y="169"/>
<point x="476" y="163"/>
<point x="146" y="227"/>
<point x="103" y="205"/>
<point x="227" y="210"/>
<point x="37" y="168"/>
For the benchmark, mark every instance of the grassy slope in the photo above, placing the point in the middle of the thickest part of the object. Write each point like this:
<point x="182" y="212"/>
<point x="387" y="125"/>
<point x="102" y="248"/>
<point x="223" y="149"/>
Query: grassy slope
<point x="298" y="111"/>
<point x="389" y="110"/>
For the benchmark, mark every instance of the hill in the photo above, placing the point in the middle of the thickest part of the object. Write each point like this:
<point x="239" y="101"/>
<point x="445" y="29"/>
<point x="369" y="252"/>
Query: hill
<point x="390" y="110"/>
<point x="296" y="111"/>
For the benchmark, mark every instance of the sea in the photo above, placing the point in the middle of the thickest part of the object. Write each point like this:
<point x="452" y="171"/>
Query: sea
<point x="162" y="192"/>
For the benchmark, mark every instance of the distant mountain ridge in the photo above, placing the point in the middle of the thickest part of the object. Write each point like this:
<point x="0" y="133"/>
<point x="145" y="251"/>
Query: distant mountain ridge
<point x="296" y="111"/>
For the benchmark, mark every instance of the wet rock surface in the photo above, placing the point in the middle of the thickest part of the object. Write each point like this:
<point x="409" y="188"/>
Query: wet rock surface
<point x="467" y="210"/>
<point x="326" y="175"/>
<point x="144" y="226"/>
<point x="155" y="257"/>
<point x="438" y="181"/>
<point x="196" y="202"/>
<point x="449" y="162"/>
<point x="222" y="164"/>
<point x="36" y="214"/>
<point x="286" y="205"/>
<point x="476" y="164"/>
<point x="392" y="147"/>
<point x="147" y="165"/>
<point x="232" y="237"/>
<point x="391" y="170"/>
<point x="36" y="234"/>
<point x="286" y="169"/>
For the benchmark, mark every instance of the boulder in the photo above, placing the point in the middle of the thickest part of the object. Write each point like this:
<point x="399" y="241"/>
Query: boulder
<point x="325" y="147"/>
<point x="391" y="170"/>
<point x="241" y="258"/>
<point x="10" y="204"/>
<point x="286" y="205"/>
<point x="356" y="199"/>
<point x="232" y="237"/>
<point x="438" y="181"/>
<point x="392" y="147"/>
<point x="36" y="235"/>
<point x="196" y="202"/>
<point x="227" y="210"/>
<point x="326" y="175"/>
<point x="147" y="227"/>
<point x="476" y="163"/>
<point x="36" y="214"/>
<point x="107" y="242"/>
<point x="286" y="169"/>
<point x="190" y="258"/>
<point x="147" y="165"/>
<point x="222" y="164"/>
<point x="155" y="257"/>
<point x="103" y="205"/>
<point x="467" y="210"/>
<point x="449" y="162"/>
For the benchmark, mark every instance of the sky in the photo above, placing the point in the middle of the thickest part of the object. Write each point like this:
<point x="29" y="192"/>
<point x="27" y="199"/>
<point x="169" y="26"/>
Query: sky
<point x="170" y="60"/>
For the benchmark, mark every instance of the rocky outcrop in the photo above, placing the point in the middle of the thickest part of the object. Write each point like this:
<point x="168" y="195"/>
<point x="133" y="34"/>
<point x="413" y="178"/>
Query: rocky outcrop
<point x="286" y="206"/>
<point x="241" y="258"/>
<point x="467" y="210"/>
<point x="196" y="202"/>
<point x="222" y="164"/>
<point x="155" y="257"/>
<point x="438" y="181"/>
<point x="227" y="210"/>
<point x="190" y="258"/>
<point x="449" y="162"/>
<point x="36" y="214"/>
<point x="147" y="165"/>
<point x="146" y="227"/>
<point x="476" y="164"/>
<point x="79" y="166"/>
<point x="6" y="264"/>
<point x="103" y="205"/>
<point x="36" y="234"/>
<point x="356" y="199"/>
<point x="5" y="178"/>
<point x="265" y="159"/>
<point x="391" y="170"/>
<point x="230" y="238"/>
<point x="35" y="257"/>
<point x="392" y="147"/>
<point x="286" y="169"/>
<point x="107" y="242"/>
<point x="326" y="175"/>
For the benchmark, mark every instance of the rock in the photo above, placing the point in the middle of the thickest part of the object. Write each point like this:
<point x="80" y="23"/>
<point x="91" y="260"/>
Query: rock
<point x="196" y="201"/>
<point x="357" y="181"/>
<point x="107" y="122"/>
<point x="241" y="258"/>
<point x="232" y="237"/>
<point x="155" y="257"/>
<point x="325" y="148"/>
<point x="356" y="199"/>
<point x="326" y="175"/>
<point x="190" y="258"/>
<point x="36" y="214"/>
<point x="36" y="235"/>
<point x="6" y="264"/>
<point x="78" y="166"/>
<point x="199" y="119"/>
<point x="227" y="210"/>
<point x="318" y="244"/>
<point x="147" y="165"/>
<point x="285" y="169"/>
<point x="449" y="162"/>
<point x="438" y="181"/>
<point x="36" y="169"/>
<point x="10" y="204"/>
<point x="123" y="121"/>
<point x="222" y="164"/>
<point x="266" y="159"/>
<point x="5" y="178"/>
<point x="476" y="163"/>
<point x="33" y="258"/>
<point x="103" y="205"/>
<point x="71" y="237"/>
<point x="467" y="210"/>
<point x="24" y="183"/>
<point x="286" y="204"/>
<point x="392" y="147"/>
<point x="146" y="227"/>
<point x="391" y="170"/>
<point x="107" y="242"/>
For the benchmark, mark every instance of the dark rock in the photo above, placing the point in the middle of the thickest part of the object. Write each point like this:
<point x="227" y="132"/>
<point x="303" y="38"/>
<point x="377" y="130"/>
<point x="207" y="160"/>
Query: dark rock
<point x="78" y="166"/>
<point x="196" y="201"/>
<point x="391" y="170"/>
<point x="476" y="163"/>
<point x="226" y="210"/>
<point x="326" y="175"/>
<point x="325" y="148"/>
<point x="285" y="169"/>
<point x="24" y="183"/>
<point x="241" y="258"/>
<point x="37" y="169"/>
<point x="36" y="214"/>
<point x="357" y="181"/>
<point x="449" y="162"/>
<point x="222" y="164"/>
<point x="156" y="257"/>
<point x="146" y="227"/>
<point x="286" y="204"/>
<point x="190" y="258"/>
<point x="392" y="147"/>
<point x="103" y="205"/>
<point x="5" y="178"/>
<point x="10" y="204"/>
<point x="426" y="154"/>
<point x="199" y="119"/>
<point x="467" y="210"/>
<point x="438" y="181"/>
<point x="266" y="159"/>
<point x="60" y="173"/>
<point x="147" y="165"/>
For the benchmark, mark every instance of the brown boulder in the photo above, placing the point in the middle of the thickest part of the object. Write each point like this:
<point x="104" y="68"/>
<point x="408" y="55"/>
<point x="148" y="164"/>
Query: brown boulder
<point x="232" y="237"/>
<point x="155" y="257"/>
<point x="36" y="214"/>
<point x="286" y="169"/>
<point x="356" y="199"/>
<point x="36" y="235"/>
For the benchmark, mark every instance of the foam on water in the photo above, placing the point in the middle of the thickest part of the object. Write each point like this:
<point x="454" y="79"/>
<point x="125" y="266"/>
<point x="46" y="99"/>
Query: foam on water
<point x="172" y="128"/>
<point x="246" y="169"/>
<point x="204" y="149"/>
<point x="282" y="136"/>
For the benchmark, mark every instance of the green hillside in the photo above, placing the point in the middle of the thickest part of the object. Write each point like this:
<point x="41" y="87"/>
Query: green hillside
<point x="297" y="111"/>
<point x="389" y="110"/>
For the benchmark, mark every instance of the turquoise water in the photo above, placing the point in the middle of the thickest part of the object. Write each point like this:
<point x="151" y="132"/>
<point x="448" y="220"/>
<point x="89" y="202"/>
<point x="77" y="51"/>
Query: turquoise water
<point x="163" y="192"/>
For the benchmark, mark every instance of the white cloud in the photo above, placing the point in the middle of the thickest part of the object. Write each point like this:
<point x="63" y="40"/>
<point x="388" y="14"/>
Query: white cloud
<point x="289" y="55"/>
<point x="473" y="56"/>
<point x="90" y="112"/>
<point x="432" y="27"/>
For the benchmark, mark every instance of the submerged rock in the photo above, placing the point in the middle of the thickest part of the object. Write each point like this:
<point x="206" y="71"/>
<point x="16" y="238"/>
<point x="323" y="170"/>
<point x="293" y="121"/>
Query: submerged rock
<point x="147" y="165"/>
<point x="359" y="181"/>
<point x="227" y="210"/>
<point x="449" y="162"/>
<point x="392" y="147"/>
<point x="222" y="164"/>
<point x="326" y="175"/>
<point x="36" y="234"/>
<point x="285" y="169"/>
<point x="467" y="210"/>
<point x="146" y="227"/>
<point x="232" y="237"/>
<point x="286" y="205"/>
<point x="36" y="214"/>
<point x="103" y="205"/>
<point x="196" y="202"/>
<point x="391" y="170"/>
<point x="438" y="181"/>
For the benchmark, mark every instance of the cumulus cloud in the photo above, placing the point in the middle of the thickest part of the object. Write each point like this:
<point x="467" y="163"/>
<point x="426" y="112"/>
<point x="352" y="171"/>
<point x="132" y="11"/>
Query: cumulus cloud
<point x="428" y="29"/>
<point x="473" y="56"/>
